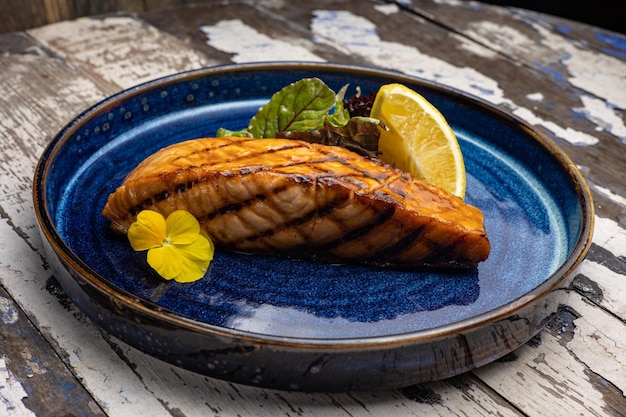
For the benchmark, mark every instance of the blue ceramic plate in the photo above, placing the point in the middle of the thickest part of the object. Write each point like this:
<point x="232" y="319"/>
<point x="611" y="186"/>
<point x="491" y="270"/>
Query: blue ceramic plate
<point x="297" y="324"/>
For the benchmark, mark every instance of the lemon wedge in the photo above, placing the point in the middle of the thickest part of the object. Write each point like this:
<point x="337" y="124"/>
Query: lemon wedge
<point x="418" y="138"/>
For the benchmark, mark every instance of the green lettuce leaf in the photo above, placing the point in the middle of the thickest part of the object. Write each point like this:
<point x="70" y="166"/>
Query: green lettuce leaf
<point x="299" y="107"/>
<point x="309" y="110"/>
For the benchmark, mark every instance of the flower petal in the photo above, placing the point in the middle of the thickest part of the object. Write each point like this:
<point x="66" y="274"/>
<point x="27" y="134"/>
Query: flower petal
<point x="192" y="271"/>
<point x="200" y="250"/>
<point x="182" y="227"/>
<point x="177" y="248"/>
<point x="168" y="261"/>
<point x="149" y="231"/>
<point x="197" y="257"/>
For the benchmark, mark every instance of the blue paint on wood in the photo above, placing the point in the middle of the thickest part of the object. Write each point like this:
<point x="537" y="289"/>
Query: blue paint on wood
<point x="563" y="29"/>
<point x="554" y="73"/>
<point x="616" y="44"/>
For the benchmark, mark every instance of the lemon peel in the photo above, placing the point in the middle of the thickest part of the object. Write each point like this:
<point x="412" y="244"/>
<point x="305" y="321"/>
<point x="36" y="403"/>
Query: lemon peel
<point x="418" y="139"/>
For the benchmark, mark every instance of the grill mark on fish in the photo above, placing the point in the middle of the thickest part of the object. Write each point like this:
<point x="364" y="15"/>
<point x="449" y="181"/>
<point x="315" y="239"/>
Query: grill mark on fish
<point x="382" y="218"/>
<point x="370" y="200"/>
<point x="233" y="208"/>
<point x="387" y="254"/>
<point x="182" y="188"/>
<point x="318" y="214"/>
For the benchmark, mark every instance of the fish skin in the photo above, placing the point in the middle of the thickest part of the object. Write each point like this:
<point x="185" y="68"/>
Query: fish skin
<point x="289" y="197"/>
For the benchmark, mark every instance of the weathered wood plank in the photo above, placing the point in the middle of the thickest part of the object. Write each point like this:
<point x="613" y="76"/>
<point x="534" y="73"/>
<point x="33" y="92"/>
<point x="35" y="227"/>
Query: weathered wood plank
<point x="592" y="37"/>
<point x="595" y="106"/>
<point x="605" y="262"/>
<point x="27" y="360"/>
<point x="578" y="365"/>
<point x="167" y="377"/>
<point x="118" y="50"/>
<point x="27" y="124"/>
<point x="114" y="384"/>
<point x="136" y="383"/>
<point x="65" y="10"/>
<point x="19" y="15"/>
<point x="264" y="36"/>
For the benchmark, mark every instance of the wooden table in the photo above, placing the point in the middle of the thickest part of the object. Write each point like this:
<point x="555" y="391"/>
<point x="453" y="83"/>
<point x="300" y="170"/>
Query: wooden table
<point x="566" y="78"/>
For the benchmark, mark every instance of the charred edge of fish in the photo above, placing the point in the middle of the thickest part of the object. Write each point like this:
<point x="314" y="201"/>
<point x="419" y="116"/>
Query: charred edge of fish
<point x="133" y="211"/>
<point x="440" y="256"/>
<point x="387" y="254"/>
<point x="162" y="196"/>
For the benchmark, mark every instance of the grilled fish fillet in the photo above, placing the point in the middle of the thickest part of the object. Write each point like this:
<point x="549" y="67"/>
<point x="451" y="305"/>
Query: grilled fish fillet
<point x="281" y="196"/>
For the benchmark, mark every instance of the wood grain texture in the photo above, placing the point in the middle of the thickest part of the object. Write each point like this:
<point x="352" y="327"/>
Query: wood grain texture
<point x="118" y="50"/>
<point x="48" y="386"/>
<point x="27" y="125"/>
<point x="192" y="24"/>
<point x="572" y="354"/>
<point x="559" y="51"/>
<point x="526" y="64"/>
<point x="190" y="397"/>
<point x="19" y="15"/>
<point x="66" y="10"/>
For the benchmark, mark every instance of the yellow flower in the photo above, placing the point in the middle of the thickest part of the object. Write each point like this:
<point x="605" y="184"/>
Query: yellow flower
<point x="176" y="248"/>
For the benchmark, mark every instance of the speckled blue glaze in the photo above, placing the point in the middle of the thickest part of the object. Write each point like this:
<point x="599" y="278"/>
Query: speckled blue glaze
<point x="530" y="198"/>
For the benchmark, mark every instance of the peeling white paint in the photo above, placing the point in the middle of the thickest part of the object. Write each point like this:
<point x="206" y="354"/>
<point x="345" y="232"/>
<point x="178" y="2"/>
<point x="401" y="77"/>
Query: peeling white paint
<point x="11" y="394"/>
<point x="596" y="344"/>
<point x="609" y="235"/>
<point x="448" y="2"/>
<point x="34" y="123"/>
<point x="249" y="45"/>
<point x="387" y="9"/>
<point x="603" y="115"/>
<point x="538" y="97"/>
<point x="607" y="79"/>
<point x="616" y="198"/>
<point x="475" y="48"/>
<point x="600" y="347"/>
<point x="358" y="35"/>
<point x="614" y="294"/>
<point x="94" y="361"/>
<point x="573" y="136"/>
<point x="88" y="40"/>
<point x="502" y="38"/>
<point x="554" y="50"/>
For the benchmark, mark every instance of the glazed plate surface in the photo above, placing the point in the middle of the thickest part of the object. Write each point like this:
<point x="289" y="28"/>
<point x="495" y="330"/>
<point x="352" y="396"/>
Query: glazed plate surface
<point x="252" y="313"/>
